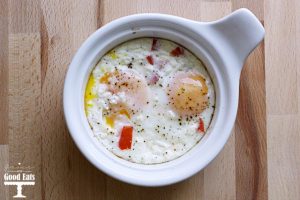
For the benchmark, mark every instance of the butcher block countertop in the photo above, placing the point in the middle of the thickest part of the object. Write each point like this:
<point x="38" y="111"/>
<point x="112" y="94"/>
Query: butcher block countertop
<point x="37" y="42"/>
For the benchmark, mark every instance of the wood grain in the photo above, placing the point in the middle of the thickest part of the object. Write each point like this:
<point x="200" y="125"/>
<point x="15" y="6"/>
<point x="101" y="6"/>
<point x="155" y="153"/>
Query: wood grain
<point x="24" y="103"/>
<point x="283" y="162"/>
<point x="283" y="100"/>
<point x="127" y="7"/>
<point x="64" y="29"/>
<point x="24" y="16"/>
<point x="281" y="44"/>
<point x="24" y="120"/>
<point x="250" y="137"/>
<point x="4" y="192"/>
<point x="38" y="40"/>
<point x="4" y="72"/>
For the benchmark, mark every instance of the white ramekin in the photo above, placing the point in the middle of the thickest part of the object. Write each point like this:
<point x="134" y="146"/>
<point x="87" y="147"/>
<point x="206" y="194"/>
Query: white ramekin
<point x="222" y="45"/>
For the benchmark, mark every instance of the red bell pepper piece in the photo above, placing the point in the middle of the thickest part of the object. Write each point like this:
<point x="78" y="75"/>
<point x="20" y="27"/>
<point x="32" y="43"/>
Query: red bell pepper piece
<point x="126" y="138"/>
<point x="177" y="52"/>
<point x="155" y="45"/>
<point x="150" y="59"/>
<point x="201" y="126"/>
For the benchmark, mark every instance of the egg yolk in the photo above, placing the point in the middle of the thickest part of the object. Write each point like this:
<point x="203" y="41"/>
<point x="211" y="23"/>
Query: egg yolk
<point x="105" y="77"/>
<point x="188" y="94"/>
<point x="89" y="94"/>
<point x="110" y="119"/>
<point x="133" y="85"/>
<point x="134" y="88"/>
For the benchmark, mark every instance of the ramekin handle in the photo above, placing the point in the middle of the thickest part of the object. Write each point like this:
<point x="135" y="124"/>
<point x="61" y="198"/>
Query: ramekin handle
<point x="240" y="31"/>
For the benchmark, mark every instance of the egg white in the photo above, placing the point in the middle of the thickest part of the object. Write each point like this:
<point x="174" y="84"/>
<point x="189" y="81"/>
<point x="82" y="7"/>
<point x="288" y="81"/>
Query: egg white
<point x="160" y="134"/>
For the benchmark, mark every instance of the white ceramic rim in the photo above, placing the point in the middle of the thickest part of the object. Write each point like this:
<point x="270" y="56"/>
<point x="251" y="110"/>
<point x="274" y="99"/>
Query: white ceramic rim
<point x="187" y="165"/>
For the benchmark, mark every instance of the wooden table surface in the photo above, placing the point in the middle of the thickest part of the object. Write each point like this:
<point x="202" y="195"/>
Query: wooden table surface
<point x="37" y="41"/>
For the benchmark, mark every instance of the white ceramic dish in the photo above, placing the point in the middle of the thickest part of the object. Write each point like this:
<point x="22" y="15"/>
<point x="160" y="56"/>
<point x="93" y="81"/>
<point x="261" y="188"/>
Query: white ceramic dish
<point x="222" y="45"/>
